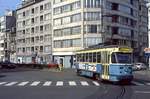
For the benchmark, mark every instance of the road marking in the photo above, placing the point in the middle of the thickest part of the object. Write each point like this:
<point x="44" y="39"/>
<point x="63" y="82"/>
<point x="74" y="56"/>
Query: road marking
<point x="47" y="83"/>
<point x="72" y="83"/>
<point x="96" y="83"/>
<point x="137" y="83"/>
<point x="148" y="84"/>
<point x="10" y="84"/>
<point x="84" y="83"/>
<point x="23" y="83"/>
<point x="145" y="92"/>
<point x="1" y="83"/>
<point x="35" y="83"/>
<point x="59" y="83"/>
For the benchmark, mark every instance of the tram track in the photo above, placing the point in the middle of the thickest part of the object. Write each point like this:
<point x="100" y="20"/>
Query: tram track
<point x="122" y="93"/>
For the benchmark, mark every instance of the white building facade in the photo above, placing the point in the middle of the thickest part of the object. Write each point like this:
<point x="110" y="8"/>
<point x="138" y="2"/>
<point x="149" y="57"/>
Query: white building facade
<point x="2" y="36"/>
<point x="34" y="32"/>
<point x="78" y="24"/>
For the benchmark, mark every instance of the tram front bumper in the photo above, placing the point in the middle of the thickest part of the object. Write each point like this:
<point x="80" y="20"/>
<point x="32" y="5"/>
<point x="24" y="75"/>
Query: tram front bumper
<point x="121" y="78"/>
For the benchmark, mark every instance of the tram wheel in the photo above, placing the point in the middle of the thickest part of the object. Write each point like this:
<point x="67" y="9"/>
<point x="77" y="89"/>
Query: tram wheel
<point x="78" y="72"/>
<point x="96" y="77"/>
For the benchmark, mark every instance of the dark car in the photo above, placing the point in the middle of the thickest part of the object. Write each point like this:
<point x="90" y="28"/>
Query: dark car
<point x="8" y="65"/>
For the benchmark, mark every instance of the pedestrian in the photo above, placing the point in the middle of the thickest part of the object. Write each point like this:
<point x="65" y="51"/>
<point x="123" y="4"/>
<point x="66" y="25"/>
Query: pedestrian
<point x="60" y="65"/>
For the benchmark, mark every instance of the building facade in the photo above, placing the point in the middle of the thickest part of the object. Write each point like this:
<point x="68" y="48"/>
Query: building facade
<point x="8" y="31"/>
<point x="78" y="24"/>
<point x="34" y="31"/>
<point x="148" y="5"/>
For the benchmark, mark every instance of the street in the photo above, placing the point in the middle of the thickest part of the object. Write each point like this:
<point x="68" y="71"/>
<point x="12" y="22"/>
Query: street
<point x="25" y="83"/>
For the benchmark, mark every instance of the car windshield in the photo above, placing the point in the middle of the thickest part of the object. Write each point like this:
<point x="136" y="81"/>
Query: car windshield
<point x="120" y="57"/>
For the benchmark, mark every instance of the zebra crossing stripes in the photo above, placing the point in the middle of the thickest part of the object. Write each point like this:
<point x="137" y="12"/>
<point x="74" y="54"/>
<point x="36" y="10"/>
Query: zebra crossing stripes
<point x="23" y="83"/>
<point x="1" y="83"/>
<point x="72" y="83"/>
<point x="11" y="83"/>
<point x="35" y="83"/>
<point x="59" y="83"/>
<point x="62" y="83"/>
<point x="47" y="83"/>
<point x="84" y="83"/>
<point x="96" y="83"/>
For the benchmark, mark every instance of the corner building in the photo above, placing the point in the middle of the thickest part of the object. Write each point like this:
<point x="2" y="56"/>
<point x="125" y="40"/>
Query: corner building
<point x="34" y="31"/>
<point x="78" y="24"/>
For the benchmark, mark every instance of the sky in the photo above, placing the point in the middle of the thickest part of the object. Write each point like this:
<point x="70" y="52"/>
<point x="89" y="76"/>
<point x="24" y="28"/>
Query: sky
<point x="8" y="4"/>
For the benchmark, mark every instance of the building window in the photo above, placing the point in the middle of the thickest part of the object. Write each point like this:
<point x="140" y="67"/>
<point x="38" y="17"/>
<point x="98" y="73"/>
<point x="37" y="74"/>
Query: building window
<point x="76" y="5"/>
<point x="57" y="33"/>
<point x="76" y="17"/>
<point x="47" y="6"/>
<point x="57" y="1"/>
<point x="76" y="42"/>
<point x="41" y="18"/>
<point x="57" y="22"/>
<point x="41" y="8"/>
<point x="32" y="11"/>
<point x="47" y="16"/>
<point x="66" y="8"/>
<point x="57" y="10"/>
<point x="66" y="20"/>
<point x="32" y="30"/>
<point x="47" y="27"/>
<point x="41" y="28"/>
<point x="76" y="30"/>
<point x="47" y="49"/>
<point x="92" y="3"/>
<point x="66" y="32"/>
<point x="92" y="16"/>
<point x="90" y="29"/>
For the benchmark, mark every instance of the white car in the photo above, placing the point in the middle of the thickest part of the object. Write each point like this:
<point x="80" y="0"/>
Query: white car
<point x="140" y="66"/>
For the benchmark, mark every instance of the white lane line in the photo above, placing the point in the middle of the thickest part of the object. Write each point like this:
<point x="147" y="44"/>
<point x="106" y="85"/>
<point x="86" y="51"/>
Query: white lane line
<point x="1" y="83"/>
<point x="47" y="83"/>
<point x="35" y="83"/>
<point x="59" y="83"/>
<point x="72" y="83"/>
<point x="145" y="92"/>
<point x="23" y="83"/>
<point x="148" y="84"/>
<point x="137" y="83"/>
<point x="84" y="83"/>
<point x="10" y="84"/>
<point x="96" y="83"/>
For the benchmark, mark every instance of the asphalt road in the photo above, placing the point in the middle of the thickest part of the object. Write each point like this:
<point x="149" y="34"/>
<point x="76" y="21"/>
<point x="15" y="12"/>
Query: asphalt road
<point x="51" y="84"/>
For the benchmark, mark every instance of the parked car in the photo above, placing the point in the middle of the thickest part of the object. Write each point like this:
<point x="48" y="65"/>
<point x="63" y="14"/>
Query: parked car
<point x="139" y="66"/>
<point x="8" y="65"/>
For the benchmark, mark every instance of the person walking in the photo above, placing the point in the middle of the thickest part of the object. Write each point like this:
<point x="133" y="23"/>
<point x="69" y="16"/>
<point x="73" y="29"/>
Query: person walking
<point x="60" y="64"/>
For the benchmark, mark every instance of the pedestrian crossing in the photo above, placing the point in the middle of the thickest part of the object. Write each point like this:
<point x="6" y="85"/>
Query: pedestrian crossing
<point x="50" y="83"/>
<point x="61" y="83"/>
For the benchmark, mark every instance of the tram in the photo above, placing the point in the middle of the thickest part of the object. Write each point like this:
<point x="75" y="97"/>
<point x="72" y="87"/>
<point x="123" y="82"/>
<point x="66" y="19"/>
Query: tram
<point x="112" y="63"/>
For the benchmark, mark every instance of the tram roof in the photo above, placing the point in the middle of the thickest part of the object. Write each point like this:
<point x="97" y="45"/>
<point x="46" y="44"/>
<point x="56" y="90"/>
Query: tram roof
<point x="97" y="47"/>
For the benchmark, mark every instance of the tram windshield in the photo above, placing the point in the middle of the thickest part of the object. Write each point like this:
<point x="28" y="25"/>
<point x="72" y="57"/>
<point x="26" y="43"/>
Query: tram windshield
<point x="120" y="57"/>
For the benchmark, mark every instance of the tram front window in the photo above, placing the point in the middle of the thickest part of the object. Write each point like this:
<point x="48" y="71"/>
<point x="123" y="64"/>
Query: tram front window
<point x="119" y="57"/>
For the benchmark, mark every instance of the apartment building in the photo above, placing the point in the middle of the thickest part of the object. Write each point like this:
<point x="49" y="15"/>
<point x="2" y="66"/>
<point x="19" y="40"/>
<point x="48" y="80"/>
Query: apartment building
<point x="7" y="36"/>
<point x="78" y="24"/>
<point x="2" y="46"/>
<point x="143" y="29"/>
<point x="34" y="31"/>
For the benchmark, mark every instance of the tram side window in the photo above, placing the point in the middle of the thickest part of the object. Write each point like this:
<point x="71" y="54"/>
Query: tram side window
<point x="86" y="57"/>
<point x="98" y="57"/>
<point x="113" y="58"/>
<point x="94" y="57"/>
<point x="90" y="57"/>
<point x="81" y="58"/>
<point x="78" y="57"/>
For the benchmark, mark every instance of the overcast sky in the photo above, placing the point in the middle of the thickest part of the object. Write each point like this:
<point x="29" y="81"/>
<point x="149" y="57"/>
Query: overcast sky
<point x="8" y="4"/>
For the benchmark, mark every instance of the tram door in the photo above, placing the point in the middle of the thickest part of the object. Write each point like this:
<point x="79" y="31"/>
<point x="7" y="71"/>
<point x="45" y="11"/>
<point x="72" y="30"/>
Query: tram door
<point x="105" y="61"/>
